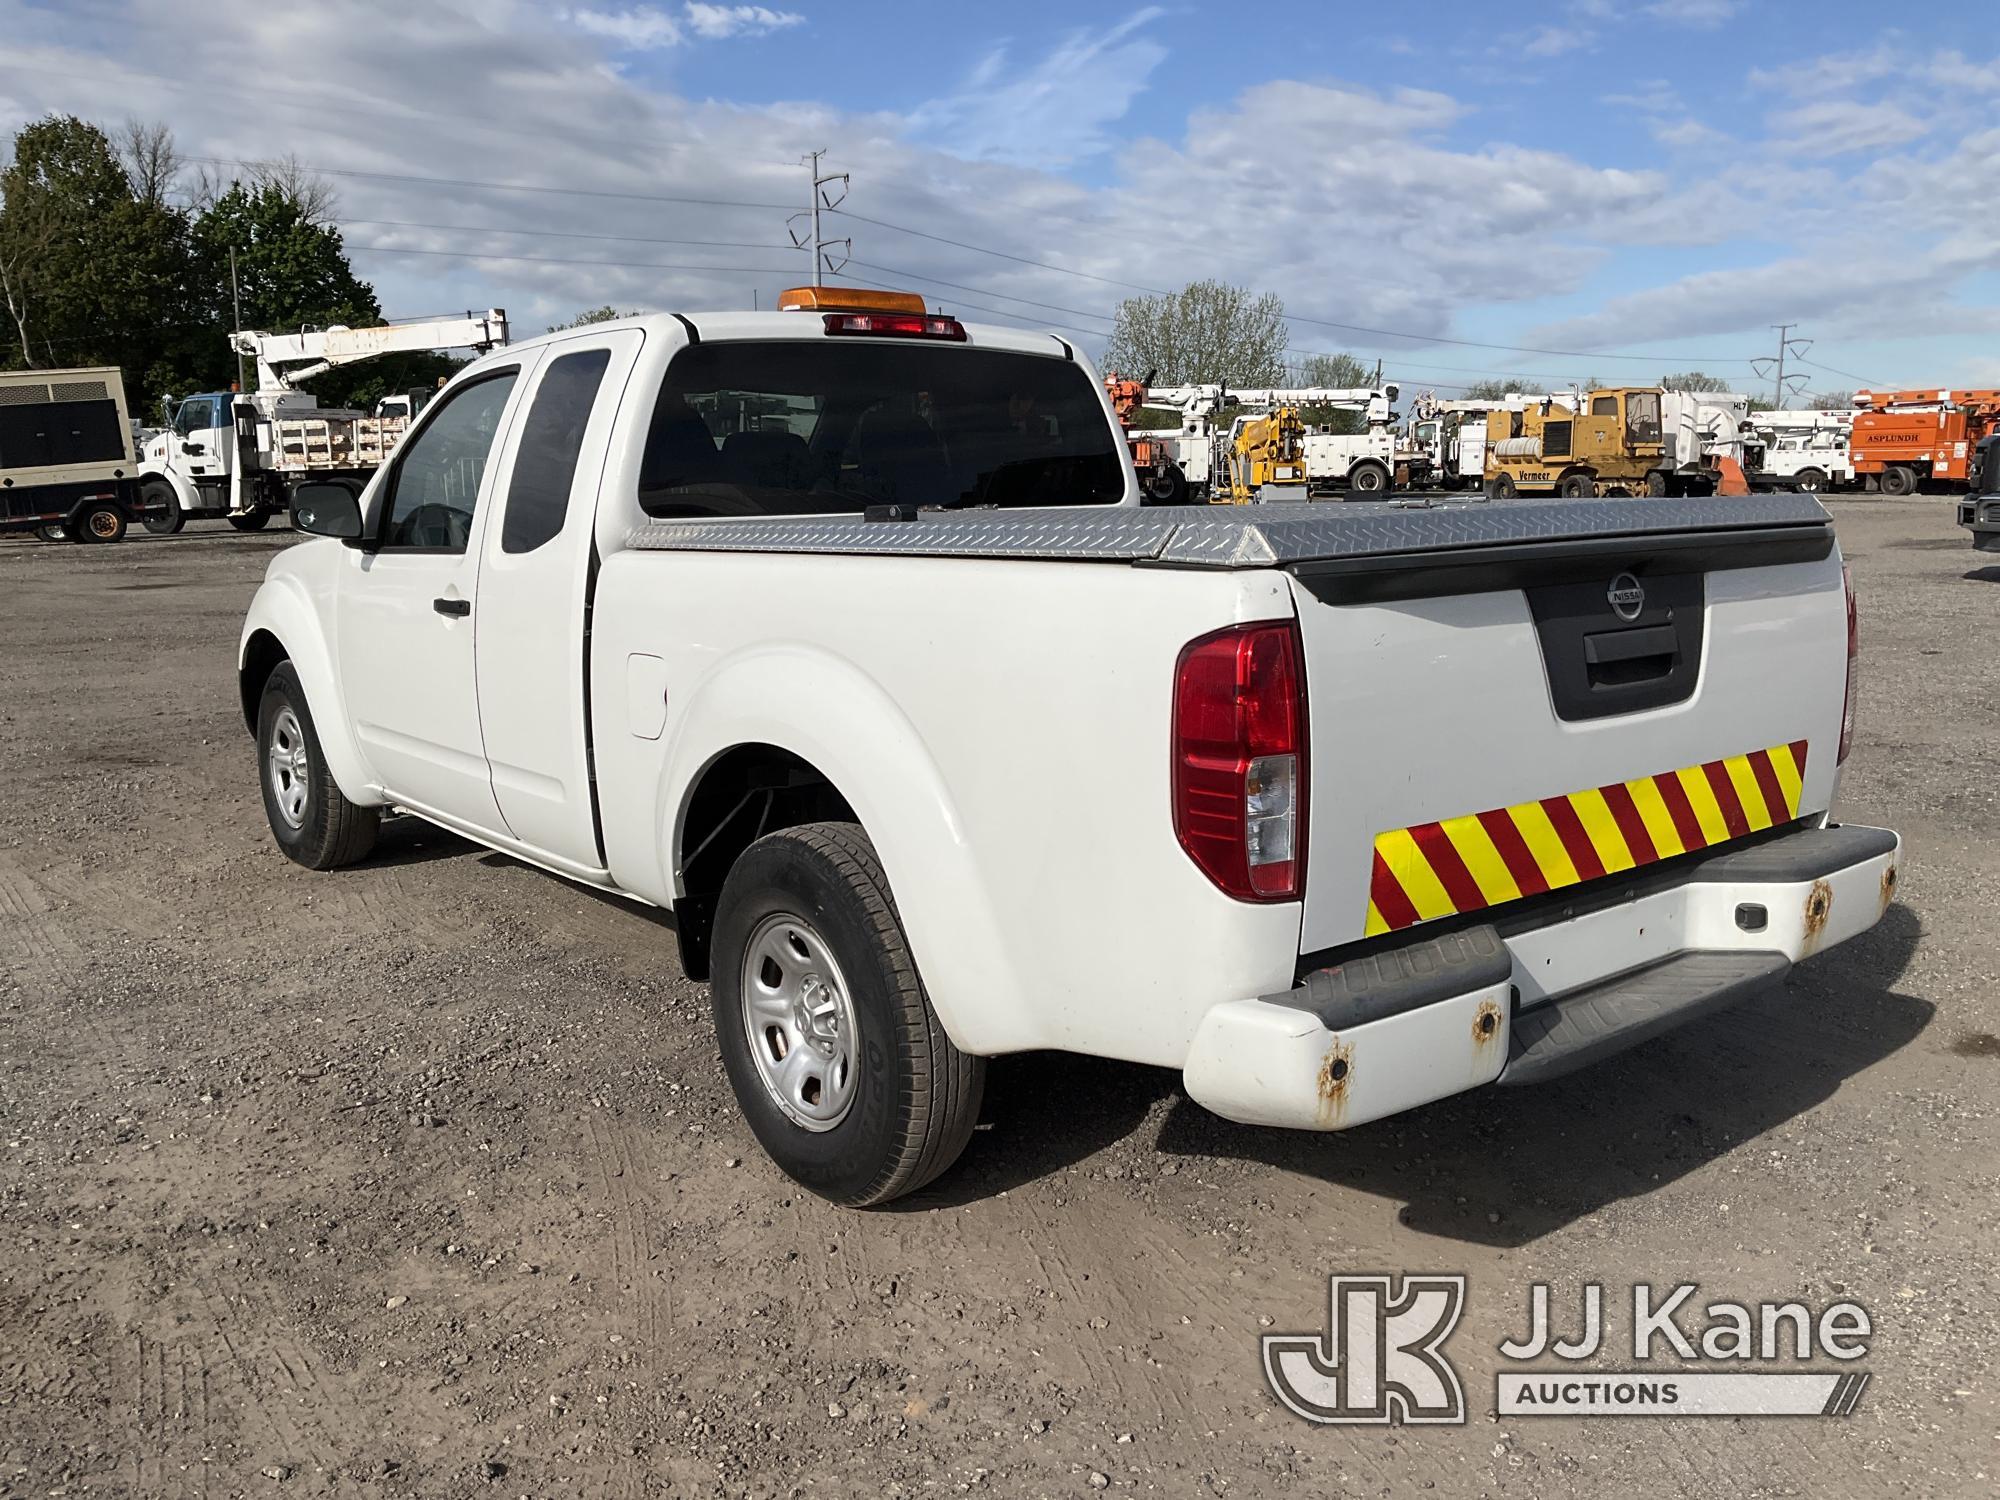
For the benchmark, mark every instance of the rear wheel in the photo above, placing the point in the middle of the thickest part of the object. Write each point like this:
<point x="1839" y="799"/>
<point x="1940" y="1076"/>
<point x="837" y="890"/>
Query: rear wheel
<point x="1812" y="480"/>
<point x="160" y="508"/>
<point x="102" y="522"/>
<point x="1897" y="480"/>
<point x="1367" y="479"/>
<point x="251" y="520"/>
<point x="313" y="823"/>
<point x="1167" y="486"/>
<point x="838" y="1062"/>
<point x="1501" y="487"/>
<point x="1576" y="485"/>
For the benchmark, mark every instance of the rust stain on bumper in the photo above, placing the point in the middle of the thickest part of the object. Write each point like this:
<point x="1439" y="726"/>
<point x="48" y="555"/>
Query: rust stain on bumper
<point x="1485" y="1025"/>
<point x="1819" y="906"/>
<point x="1336" y="1076"/>
<point x="1888" y="885"/>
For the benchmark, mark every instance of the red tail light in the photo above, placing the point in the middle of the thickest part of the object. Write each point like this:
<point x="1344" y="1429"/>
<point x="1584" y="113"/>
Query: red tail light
<point x="896" y="325"/>
<point x="1853" y="649"/>
<point x="1239" y="749"/>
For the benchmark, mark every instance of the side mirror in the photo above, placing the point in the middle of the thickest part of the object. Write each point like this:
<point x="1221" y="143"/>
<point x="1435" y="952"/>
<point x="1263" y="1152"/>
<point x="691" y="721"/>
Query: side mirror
<point x="327" y="510"/>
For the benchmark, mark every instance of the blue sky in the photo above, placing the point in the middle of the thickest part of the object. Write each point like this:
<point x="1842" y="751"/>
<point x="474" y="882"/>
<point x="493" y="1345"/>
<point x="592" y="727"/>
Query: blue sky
<point x="1643" y="187"/>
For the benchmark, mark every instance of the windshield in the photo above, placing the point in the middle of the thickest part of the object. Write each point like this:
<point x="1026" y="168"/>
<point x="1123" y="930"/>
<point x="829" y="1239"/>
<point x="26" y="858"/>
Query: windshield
<point x="1642" y="416"/>
<point x="825" y="428"/>
<point x="197" y="414"/>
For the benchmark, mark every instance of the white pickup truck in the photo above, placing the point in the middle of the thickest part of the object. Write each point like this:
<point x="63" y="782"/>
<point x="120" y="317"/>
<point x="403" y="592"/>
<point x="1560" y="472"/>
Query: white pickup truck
<point x="841" y="632"/>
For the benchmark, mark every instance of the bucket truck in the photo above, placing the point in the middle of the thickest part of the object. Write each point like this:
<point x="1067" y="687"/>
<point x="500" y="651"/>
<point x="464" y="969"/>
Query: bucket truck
<point x="237" y="456"/>
<point x="1364" y="461"/>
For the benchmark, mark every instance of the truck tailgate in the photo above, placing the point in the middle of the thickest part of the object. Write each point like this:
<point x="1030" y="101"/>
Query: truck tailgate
<point x="1492" y="721"/>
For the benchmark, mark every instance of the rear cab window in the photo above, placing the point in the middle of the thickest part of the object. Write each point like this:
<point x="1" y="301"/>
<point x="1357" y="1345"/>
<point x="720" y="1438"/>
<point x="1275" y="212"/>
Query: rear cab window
<point x="801" y="427"/>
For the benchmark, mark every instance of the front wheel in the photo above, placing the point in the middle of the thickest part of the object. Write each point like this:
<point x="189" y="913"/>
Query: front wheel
<point x="1500" y="487"/>
<point x="52" y="531"/>
<point x="840" y="1066"/>
<point x="160" y="508"/>
<point x="1576" y="487"/>
<point x="312" y="821"/>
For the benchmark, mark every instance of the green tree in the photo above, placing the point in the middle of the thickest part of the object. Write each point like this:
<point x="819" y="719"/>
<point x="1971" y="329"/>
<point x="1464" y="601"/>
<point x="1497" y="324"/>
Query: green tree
<point x="293" y="272"/>
<point x="1206" y="333"/>
<point x="1693" y="380"/>
<point x="1335" y="372"/>
<point x="584" y="319"/>
<point x="1494" y="390"/>
<point x="90" y="273"/>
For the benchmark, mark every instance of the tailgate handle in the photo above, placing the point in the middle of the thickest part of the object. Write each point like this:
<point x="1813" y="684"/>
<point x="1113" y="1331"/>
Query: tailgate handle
<point x="1618" y="658"/>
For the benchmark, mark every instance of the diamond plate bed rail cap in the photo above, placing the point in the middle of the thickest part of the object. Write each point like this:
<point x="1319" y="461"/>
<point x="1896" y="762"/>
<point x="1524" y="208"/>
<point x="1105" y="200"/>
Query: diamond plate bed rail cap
<point x="1254" y="536"/>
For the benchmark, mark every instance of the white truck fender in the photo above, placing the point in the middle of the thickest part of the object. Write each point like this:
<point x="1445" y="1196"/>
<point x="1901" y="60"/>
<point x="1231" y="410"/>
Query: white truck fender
<point x="830" y="714"/>
<point x="283" y="610"/>
<point x="183" y="487"/>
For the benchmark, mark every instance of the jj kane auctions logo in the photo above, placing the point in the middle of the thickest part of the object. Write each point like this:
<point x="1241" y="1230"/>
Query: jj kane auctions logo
<point x="1381" y="1358"/>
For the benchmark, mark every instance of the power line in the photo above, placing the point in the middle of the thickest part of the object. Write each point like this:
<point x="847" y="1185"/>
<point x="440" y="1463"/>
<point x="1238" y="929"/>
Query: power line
<point x="504" y="187"/>
<point x="1843" y="374"/>
<point x="566" y="234"/>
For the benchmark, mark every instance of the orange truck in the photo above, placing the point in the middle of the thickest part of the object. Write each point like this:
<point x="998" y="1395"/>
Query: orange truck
<point x="1153" y="455"/>
<point x="1905" y="441"/>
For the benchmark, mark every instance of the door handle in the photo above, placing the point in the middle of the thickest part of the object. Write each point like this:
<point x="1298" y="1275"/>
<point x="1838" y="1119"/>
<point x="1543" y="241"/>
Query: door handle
<point x="457" y="608"/>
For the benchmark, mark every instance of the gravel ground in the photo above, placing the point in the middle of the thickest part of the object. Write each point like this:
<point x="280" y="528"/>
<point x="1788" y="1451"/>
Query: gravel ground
<point x="422" y="1178"/>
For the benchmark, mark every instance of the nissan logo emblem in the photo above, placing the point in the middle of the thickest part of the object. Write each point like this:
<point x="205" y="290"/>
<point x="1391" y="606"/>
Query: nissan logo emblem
<point x="1627" y="596"/>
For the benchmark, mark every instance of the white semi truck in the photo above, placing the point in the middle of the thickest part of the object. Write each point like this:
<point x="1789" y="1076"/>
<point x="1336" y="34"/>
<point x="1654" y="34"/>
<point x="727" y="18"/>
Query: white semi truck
<point x="226" y="454"/>
<point x="772" y="619"/>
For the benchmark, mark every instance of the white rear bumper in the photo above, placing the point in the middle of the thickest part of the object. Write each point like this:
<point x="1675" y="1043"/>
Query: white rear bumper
<point x="1517" y="1002"/>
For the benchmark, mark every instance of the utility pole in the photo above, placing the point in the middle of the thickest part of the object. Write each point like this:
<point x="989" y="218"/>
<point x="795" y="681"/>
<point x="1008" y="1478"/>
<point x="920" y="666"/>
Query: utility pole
<point x="1783" y="385"/>
<point x="817" y="200"/>
<point x="236" y="300"/>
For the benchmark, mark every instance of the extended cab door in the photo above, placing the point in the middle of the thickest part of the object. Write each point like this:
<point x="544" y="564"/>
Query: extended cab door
<point x="534" y="577"/>
<point x="404" y="610"/>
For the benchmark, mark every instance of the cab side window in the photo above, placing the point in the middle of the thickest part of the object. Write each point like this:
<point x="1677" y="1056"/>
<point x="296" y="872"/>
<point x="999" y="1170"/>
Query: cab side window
<point x="1604" y="406"/>
<point x="551" y="443"/>
<point x="435" y="488"/>
<point x="196" y="414"/>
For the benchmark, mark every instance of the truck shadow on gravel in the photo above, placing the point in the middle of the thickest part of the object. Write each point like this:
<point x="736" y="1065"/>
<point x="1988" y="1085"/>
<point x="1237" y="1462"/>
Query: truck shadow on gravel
<point x="1498" y="1167"/>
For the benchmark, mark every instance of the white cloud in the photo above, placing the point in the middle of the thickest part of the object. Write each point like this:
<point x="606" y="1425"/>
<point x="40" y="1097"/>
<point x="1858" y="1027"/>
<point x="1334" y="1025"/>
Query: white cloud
<point x="1554" y="41"/>
<point x="1701" y="14"/>
<point x="647" y="28"/>
<point x="644" y="28"/>
<point x="1050" y="112"/>
<point x="718" y="21"/>
<point x="1842" y="125"/>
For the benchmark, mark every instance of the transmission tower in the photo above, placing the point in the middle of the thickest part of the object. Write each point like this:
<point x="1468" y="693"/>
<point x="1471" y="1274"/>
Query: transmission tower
<point x="818" y="201"/>
<point x="1783" y="386"/>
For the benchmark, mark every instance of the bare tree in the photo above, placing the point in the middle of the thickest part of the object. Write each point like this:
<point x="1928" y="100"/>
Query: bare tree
<point x="151" y="160"/>
<point x="1494" y="390"/>
<point x="1833" y="401"/>
<point x="1693" y="380"/>
<point x="311" y="194"/>
<point x="1205" y="333"/>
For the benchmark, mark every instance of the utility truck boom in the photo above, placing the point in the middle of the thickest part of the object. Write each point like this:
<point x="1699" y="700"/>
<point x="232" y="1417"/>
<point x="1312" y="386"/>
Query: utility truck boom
<point x="237" y="456"/>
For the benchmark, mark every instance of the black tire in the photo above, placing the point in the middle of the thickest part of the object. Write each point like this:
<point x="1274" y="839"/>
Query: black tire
<point x="1167" y="486"/>
<point x="1500" y="487"/>
<point x="1576" y="485"/>
<point x="1810" y="480"/>
<point x="1897" y="480"/>
<point x="100" y="521"/>
<point x="251" y="520"/>
<point x="1367" y="479"/>
<point x="1656" y="483"/>
<point x="330" y="831"/>
<point x="916" y="1096"/>
<point x="160" y="508"/>
<point x="52" y="531"/>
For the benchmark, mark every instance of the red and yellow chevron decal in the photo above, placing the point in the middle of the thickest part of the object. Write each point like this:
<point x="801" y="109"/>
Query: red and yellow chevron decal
<point x="1484" y="859"/>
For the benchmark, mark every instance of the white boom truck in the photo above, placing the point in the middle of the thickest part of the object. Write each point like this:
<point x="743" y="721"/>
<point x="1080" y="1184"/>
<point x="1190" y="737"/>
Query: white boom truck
<point x="841" y="633"/>
<point x="238" y="456"/>
<point x="1363" y="462"/>
<point x="1803" y="448"/>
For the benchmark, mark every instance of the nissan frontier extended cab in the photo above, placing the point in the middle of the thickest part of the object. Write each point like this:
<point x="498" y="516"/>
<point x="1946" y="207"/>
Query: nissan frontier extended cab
<point x="840" y="631"/>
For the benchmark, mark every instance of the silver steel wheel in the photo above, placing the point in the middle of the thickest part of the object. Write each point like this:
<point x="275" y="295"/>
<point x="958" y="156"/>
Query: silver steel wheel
<point x="287" y="766"/>
<point x="799" y="1021"/>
